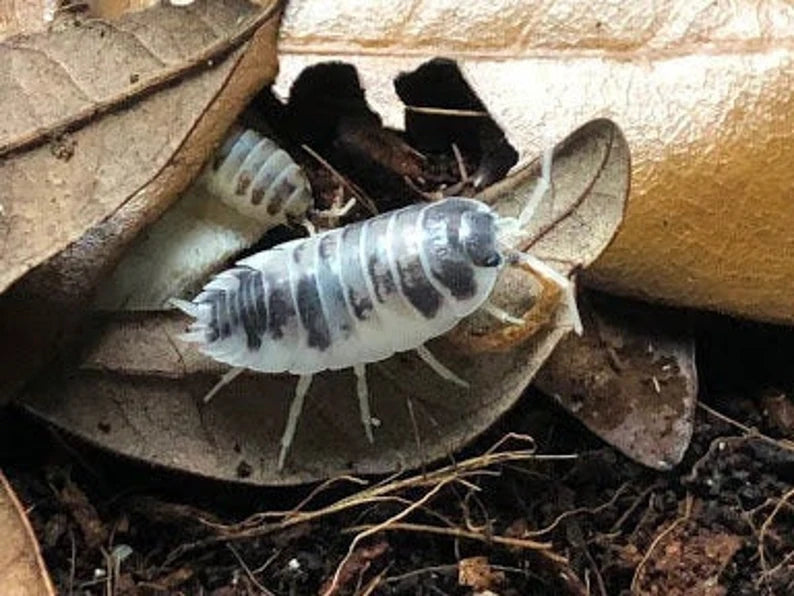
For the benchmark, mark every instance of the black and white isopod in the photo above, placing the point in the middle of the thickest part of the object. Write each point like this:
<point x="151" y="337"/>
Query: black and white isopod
<point x="360" y="293"/>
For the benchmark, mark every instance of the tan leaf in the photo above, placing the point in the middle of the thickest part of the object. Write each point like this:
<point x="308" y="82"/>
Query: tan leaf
<point x="702" y="91"/>
<point x="61" y="177"/>
<point x="22" y="570"/>
<point x="138" y="390"/>
<point x="74" y="204"/>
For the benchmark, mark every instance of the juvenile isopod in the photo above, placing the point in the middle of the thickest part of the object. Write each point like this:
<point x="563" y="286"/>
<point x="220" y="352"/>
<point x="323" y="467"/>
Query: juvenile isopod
<point x="250" y="186"/>
<point x="360" y="293"/>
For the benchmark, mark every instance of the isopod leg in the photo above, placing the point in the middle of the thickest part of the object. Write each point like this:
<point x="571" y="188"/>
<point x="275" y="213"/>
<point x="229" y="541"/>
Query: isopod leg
<point x="543" y="185"/>
<point x="501" y="315"/>
<point x="441" y="370"/>
<point x="566" y="285"/>
<point x="336" y="212"/>
<point x="230" y="376"/>
<point x="295" y="409"/>
<point x="363" y="399"/>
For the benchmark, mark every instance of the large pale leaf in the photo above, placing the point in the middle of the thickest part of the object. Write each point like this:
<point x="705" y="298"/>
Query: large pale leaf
<point x="702" y="90"/>
<point x="138" y="390"/>
<point x="22" y="570"/>
<point x="72" y="205"/>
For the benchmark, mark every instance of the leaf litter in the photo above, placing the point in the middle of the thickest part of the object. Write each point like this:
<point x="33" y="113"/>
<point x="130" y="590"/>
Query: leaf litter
<point x="65" y="221"/>
<point x="297" y="570"/>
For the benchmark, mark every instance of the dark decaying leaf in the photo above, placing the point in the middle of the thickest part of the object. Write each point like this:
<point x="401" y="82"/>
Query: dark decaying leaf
<point x="631" y="378"/>
<point x="130" y="139"/>
<point x="138" y="390"/>
<point x="22" y="570"/>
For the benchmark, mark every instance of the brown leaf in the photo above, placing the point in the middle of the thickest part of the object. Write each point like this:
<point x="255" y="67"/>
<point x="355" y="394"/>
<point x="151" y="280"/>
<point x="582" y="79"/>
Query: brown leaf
<point x="84" y="70"/>
<point x="703" y="94"/>
<point x="138" y="390"/>
<point x="631" y="379"/>
<point x="122" y="174"/>
<point x="22" y="570"/>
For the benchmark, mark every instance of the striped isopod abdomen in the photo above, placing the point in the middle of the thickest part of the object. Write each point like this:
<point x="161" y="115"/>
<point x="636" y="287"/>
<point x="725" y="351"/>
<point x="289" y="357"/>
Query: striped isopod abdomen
<point x="258" y="179"/>
<point x="352" y="295"/>
<point x="249" y="187"/>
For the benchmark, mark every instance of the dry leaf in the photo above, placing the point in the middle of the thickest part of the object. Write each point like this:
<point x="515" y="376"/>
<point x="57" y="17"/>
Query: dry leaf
<point x="138" y="390"/>
<point x="22" y="570"/>
<point x="61" y="177"/>
<point x="702" y="91"/>
<point x="76" y="202"/>
<point x="631" y="379"/>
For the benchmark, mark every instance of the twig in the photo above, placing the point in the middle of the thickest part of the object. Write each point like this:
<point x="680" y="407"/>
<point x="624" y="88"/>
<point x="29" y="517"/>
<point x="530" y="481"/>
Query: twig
<point x="369" y="531"/>
<point x="542" y="548"/>
<point x="646" y="557"/>
<point x="357" y="192"/>
<point x="448" y="112"/>
<point x="765" y="529"/>
<point x="457" y="472"/>
<point x="751" y="432"/>
<point x="572" y="512"/>
<point x="413" y="573"/>
<point x="464" y="175"/>
<point x="248" y="572"/>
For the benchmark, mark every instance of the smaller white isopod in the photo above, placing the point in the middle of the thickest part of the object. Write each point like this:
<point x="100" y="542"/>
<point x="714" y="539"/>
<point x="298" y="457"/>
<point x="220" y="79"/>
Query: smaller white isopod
<point x="249" y="187"/>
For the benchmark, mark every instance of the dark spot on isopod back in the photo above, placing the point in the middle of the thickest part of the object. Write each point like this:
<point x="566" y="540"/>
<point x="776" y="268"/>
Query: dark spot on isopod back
<point x="311" y="314"/>
<point x="243" y="182"/>
<point x="381" y="277"/>
<point x="279" y="309"/>
<point x="257" y="194"/>
<point x="446" y="256"/>
<point x="415" y="285"/>
<point x="256" y="289"/>
<point x="222" y="314"/>
<point x="213" y="333"/>
<point x="281" y="192"/>
<point x="247" y="310"/>
<point x="362" y="305"/>
<point x="458" y="276"/>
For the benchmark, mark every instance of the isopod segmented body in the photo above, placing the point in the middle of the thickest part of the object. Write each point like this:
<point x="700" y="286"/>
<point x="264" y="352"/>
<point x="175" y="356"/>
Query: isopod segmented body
<point x="258" y="179"/>
<point x="355" y="295"/>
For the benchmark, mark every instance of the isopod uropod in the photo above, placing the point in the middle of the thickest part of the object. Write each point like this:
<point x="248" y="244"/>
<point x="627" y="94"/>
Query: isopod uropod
<point x="358" y="294"/>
